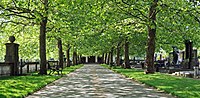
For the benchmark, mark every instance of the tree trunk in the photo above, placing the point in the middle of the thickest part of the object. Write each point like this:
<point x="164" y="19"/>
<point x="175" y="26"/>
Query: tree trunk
<point x="111" y="57"/>
<point x="74" y="58"/>
<point x="60" y="53"/>
<point x="43" y="23"/>
<point x="78" y="59"/>
<point x="151" y="38"/>
<point x="43" y="69"/>
<point x="80" y="56"/>
<point x="118" y="55"/>
<point x="188" y="52"/>
<point x="190" y="57"/>
<point x="126" y="54"/>
<point x="102" y="58"/>
<point x="68" y="56"/>
<point x="108" y="59"/>
<point x="105" y="59"/>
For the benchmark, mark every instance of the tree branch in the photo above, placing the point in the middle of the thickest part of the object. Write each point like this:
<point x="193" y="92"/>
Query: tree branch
<point x="136" y="16"/>
<point x="17" y="23"/>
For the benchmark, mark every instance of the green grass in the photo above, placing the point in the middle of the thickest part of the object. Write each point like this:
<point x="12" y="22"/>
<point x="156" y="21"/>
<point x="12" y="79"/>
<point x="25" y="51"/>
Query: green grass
<point x="21" y="86"/>
<point x="177" y="86"/>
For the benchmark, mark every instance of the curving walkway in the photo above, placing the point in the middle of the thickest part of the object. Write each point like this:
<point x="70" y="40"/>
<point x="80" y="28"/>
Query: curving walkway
<point x="95" y="81"/>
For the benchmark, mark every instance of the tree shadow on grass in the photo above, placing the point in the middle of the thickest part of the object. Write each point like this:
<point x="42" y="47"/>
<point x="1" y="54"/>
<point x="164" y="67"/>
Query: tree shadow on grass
<point x="178" y="86"/>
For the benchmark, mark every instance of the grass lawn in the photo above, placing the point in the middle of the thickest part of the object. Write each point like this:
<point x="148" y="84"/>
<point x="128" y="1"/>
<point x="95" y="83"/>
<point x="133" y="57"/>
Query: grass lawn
<point x="178" y="86"/>
<point x="21" y="86"/>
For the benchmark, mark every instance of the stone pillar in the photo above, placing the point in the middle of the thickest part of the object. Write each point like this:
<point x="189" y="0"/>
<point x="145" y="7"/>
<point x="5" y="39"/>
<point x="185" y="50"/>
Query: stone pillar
<point x="12" y="56"/>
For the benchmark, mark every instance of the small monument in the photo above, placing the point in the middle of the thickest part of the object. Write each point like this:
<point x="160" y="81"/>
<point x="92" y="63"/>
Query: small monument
<point x="12" y="56"/>
<point x="175" y="55"/>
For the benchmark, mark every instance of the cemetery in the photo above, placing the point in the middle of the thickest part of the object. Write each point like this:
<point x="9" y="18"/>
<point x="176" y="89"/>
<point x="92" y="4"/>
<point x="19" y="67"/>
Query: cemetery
<point x="99" y="49"/>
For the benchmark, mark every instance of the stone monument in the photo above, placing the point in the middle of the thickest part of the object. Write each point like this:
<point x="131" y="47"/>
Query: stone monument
<point x="12" y="56"/>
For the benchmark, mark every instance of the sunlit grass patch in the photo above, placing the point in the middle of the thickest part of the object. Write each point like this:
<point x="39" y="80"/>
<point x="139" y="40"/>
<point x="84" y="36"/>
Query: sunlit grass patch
<point x="21" y="86"/>
<point x="178" y="86"/>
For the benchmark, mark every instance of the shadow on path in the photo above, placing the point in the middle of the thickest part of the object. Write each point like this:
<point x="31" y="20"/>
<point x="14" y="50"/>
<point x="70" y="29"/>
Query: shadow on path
<point x="95" y="81"/>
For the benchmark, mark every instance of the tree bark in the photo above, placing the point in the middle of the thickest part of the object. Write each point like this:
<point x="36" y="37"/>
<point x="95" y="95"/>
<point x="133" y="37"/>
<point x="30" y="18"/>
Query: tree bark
<point x="78" y="59"/>
<point x="126" y="54"/>
<point x="43" y="69"/>
<point x="105" y="59"/>
<point x="60" y="53"/>
<point x="188" y="52"/>
<point x="151" y="38"/>
<point x="68" y="56"/>
<point x="108" y="59"/>
<point x="111" y="57"/>
<point x="118" y="55"/>
<point x="74" y="58"/>
<point x="43" y="24"/>
<point x="80" y="56"/>
<point x="102" y="58"/>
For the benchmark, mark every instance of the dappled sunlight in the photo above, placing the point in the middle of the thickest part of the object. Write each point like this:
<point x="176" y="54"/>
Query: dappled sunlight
<point x="93" y="81"/>
<point x="178" y="86"/>
<point x="21" y="86"/>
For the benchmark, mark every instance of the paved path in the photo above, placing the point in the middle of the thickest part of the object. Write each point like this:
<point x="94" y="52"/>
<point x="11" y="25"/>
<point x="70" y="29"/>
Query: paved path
<point x="94" y="81"/>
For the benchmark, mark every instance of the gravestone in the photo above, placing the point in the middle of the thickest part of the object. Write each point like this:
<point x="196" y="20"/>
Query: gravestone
<point x="12" y="56"/>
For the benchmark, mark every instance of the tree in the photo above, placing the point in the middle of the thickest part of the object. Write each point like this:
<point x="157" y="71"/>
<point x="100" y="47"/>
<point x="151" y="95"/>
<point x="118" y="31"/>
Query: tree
<point x="137" y="11"/>
<point x="94" y="27"/>
<point x="151" y="37"/>
<point x="27" y="11"/>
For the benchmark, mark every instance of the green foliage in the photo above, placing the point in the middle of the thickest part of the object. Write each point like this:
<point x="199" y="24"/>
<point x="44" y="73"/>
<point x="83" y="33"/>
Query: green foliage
<point x="21" y="86"/>
<point x="93" y="27"/>
<point x="180" y="24"/>
<point x="178" y="86"/>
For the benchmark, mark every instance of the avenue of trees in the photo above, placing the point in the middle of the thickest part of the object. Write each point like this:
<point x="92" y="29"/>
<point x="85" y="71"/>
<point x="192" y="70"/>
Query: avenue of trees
<point x="98" y="27"/>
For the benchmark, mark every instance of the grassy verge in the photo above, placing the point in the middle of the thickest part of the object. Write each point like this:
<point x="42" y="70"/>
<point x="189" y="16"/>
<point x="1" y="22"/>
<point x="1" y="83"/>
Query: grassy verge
<point x="178" y="86"/>
<point x="21" y="86"/>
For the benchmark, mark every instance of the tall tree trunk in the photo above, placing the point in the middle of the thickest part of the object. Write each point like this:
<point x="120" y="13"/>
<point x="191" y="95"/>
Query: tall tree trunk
<point x="78" y="59"/>
<point x="118" y="55"/>
<point x="190" y="58"/>
<point x="74" y="58"/>
<point x="105" y="60"/>
<point x="111" y="57"/>
<point x="151" y="38"/>
<point x="188" y="52"/>
<point x="108" y="59"/>
<point x="68" y="56"/>
<point x="43" y="24"/>
<point x="43" y="69"/>
<point x="60" y="53"/>
<point x="80" y="56"/>
<point x="126" y="54"/>
<point x="102" y="58"/>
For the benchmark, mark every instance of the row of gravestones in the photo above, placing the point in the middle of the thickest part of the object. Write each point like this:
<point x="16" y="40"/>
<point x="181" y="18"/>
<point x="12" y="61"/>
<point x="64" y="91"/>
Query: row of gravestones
<point x="187" y="59"/>
<point x="189" y="56"/>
